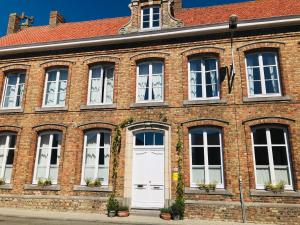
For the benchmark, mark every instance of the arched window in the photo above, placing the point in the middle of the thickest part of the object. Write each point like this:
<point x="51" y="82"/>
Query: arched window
<point x="55" y="87"/>
<point x="206" y="156"/>
<point x="203" y="78"/>
<point x="13" y="90"/>
<point x="263" y="74"/>
<point x="47" y="156"/>
<point x="7" y="152"/>
<point x="271" y="156"/>
<point x="96" y="156"/>
<point x="150" y="81"/>
<point x="101" y="85"/>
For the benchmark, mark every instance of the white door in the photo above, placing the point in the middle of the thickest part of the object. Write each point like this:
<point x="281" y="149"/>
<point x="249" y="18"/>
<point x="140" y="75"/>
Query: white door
<point x="148" y="171"/>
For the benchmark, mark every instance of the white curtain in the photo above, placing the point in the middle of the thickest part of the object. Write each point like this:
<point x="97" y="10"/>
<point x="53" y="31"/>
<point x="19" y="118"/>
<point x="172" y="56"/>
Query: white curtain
<point x="62" y="92"/>
<point x="282" y="174"/>
<point x="214" y="80"/>
<point x="157" y="87"/>
<point x="193" y="88"/>
<point x="11" y="91"/>
<point x="273" y="73"/>
<point x="251" y="80"/>
<point x="109" y="85"/>
<point x="198" y="175"/>
<point x="215" y="175"/>
<point x="143" y="88"/>
<point x="95" y="86"/>
<point x="90" y="156"/>
<point x="51" y="93"/>
<point x="263" y="175"/>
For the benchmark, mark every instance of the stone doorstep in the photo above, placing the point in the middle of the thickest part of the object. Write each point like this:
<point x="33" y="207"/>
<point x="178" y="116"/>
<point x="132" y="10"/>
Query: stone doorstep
<point x="93" y="217"/>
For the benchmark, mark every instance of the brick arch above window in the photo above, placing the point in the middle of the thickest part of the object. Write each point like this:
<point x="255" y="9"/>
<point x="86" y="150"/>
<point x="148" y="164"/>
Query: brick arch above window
<point x="101" y="59"/>
<point x="203" y="50"/>
<point x="148" y="125"/>
<point x="96" y="125"/>
<point x="260" y="45"/>
<point x="56" y="63"/>
<point x="11" y="67"/>
<point x="205" y="122"/>
<point x="149" y="55"/>
<point x="268" y="120"/>
<point x="48" y="126"/>
<point x="10" y="128"/>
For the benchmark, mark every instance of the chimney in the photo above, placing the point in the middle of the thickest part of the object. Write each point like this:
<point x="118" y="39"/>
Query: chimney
<point x="55" y="18"/>
<point x="177" y="5"/>
<point x="13" y="23"/>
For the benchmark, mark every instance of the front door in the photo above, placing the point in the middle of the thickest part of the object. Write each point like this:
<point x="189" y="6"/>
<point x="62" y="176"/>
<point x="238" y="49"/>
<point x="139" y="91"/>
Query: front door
<point x="148" y="170"/>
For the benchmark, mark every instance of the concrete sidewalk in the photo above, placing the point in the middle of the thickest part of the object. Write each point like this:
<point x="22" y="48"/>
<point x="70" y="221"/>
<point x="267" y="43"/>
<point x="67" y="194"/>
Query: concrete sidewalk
<point x="92" y="217"/>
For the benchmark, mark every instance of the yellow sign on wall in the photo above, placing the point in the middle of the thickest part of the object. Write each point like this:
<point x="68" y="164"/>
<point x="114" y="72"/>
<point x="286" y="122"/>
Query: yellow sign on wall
<point x="175" y="176"/>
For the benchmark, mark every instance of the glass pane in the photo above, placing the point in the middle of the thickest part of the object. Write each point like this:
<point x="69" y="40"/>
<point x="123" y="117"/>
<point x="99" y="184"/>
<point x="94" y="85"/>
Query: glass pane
<point x="277" y="136"/>
<point x="157" y="68"/>
<point x="215" y="175"/>
<point x="3" y="141"/>
<point x="257" y="87"/>
<point x="270" y="73"/>
<point x="155" y="23"/>
<point x="214" y="156"/>
<point x="256" y="74"/>
<point x="89" y="172"/>
<point x="146" y="11"/>
<point x="210" y="64"/>
<point x="143" y="69"/>
<point x="263" y="175"/>
<point x="53" y="173"/>
<point x="91" y="140"/>
<point x="12" y="79"/>
<point x="159" y="139"/>
<point x="156" y="17"/>
<point x="259" y="136"/>
<point x="149" y="138"/>
<point x="279" y="156"/>
<point x="63" y="75"/>
<point x="139" y="139"/>
<point x="197" y="138"/>
<point x="45" y="141"/>
<point x="103" y="174"/>
<point x="56" y="140"/>
<point x="101" y="139"/>
<point x="272" y="86"/>
<point x="54" y="157"/>
<point x="252" y="60"/>
<point x="96" y="72"/>
<point x="22" y="79"/>
<point x="269" y="59"/>
<point x="7" y="174"/>
<point x="282" y="174"/>
<point x="155" y="10"/>
<point x="195" y="65"/>
<point x="101" y="157"/>
<point x="10" y="157"/>
<point x="52" y="75"/>
<point x="261" y="156"/>
<point x="12" y="142"/>
<point x="146" y="24"/>
<point x="198" y="175"/>
<point x="197" y="156"/>
<point x="213" y="136"/>
<point x="90" y="156"/>
<point x="109" y="85"/>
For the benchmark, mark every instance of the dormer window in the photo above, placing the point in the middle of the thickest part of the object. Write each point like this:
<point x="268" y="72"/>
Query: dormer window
<point x="150" y="18"/>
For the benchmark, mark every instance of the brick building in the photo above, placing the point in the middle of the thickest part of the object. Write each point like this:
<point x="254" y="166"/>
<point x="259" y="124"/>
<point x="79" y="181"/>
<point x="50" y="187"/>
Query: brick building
<point x="65" y="86"/>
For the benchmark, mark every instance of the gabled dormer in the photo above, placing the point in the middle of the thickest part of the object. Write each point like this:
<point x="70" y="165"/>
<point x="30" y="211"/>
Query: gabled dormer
<point x="150" y="15"/>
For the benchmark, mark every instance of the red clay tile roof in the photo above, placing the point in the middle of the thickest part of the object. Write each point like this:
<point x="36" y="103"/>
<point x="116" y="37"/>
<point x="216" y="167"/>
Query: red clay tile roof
<point x="258" y="9"/>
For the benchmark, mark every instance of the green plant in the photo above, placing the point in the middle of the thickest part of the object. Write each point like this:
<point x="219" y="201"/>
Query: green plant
<point x="165" y="210"/>
<point x="97" y="182"/>
<point x="279" y="187"/>
<point x="44" y="182"/>
<point x="88" y="181"/>
<point x="123" y="208"/>
<point x="2" y="182"/>
<point x="178" y="208"/>
<point x="93" y="183"/>
<point x="112" y="204"/>
<point x="207" y="187"/>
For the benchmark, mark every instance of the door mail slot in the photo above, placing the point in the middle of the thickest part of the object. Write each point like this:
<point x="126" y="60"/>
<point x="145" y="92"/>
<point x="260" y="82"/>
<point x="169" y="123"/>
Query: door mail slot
<point x="157" y="187"/>
<point x="140" y="186"/>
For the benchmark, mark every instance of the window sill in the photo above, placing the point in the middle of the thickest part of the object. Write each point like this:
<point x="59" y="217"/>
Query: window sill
<point x="4" y="110"/>
<point x="41" y="188"/>
<point x="149" y="104"/>
<point x="197" y="191"/>
<point x="263" y="193"/>
<point x="108" y="106"/>
<point x="6" y="187"/>
<point x="267" y="99"/>
<point x="92" y="189"/>
<point x="51" y="109"/>
<point x="202" y="102"/>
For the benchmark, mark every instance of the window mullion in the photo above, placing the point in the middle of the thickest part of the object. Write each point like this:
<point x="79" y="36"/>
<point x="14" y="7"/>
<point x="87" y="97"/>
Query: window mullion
<point x="262" y="74"/>
<point x="90" y="87"/>
<point x="203" y="76"/>
<point x="150" y="90"/>
<point x="270" y="153"/>
<point x="101" y="85"/>
<point x="5" y="151"/>
<point x="84" y="160"/>
<point x="97" y="156"/>
<point x="105" y="85"/>
<point x="206" y="169"/>
<point x="49" y="156"/>
<point x="57" y="86"/>
<point x="151" y="17"/>
<point x="17" y="90"/>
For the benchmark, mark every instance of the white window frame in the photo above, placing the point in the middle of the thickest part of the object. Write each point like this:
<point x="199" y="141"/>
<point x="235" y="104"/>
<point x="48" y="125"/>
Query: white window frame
<point x="17" y="90"/>
<point x="271" y="166"/>
<point x="103" y="68"/>
<point x="150" y="64"/>
<point x="148" y="146"/>
<point x="97" y="166"/>
<point x="262" y="74"/>
<point x="5" y="154"/>
<point x="204" y="97"/>
<point x="206" y="166"/>
<point x="150" y="18"/>
<point x="51" y="133"/>
<point x="57" y="70"/>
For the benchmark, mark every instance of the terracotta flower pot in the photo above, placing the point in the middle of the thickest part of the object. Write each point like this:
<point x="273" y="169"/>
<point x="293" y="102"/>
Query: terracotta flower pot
<point x="166" y="216"/>
<point x="123" y="213"/>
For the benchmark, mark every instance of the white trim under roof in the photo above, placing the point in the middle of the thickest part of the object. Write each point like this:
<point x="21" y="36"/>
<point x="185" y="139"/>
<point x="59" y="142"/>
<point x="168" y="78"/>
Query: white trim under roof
<point x="153" y="35"/>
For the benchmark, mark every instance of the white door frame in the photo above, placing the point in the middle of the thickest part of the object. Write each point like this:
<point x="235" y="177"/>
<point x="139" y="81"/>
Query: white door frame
<point x="130" y="131"/>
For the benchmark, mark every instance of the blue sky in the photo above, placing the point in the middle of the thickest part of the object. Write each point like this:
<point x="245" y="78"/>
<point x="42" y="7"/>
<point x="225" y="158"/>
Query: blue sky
<point x="78" y="10"/>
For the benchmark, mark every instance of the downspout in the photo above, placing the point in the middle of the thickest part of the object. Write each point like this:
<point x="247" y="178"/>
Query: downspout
<point x="233" y="21"/>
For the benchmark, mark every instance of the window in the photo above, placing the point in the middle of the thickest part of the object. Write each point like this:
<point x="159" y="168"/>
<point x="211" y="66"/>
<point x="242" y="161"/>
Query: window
<point x="203" y="79"/>
<point x="13" y="90"/>
<point x="7" y="152"/>
<point x="150" y="82"/>
<point x="96" y="156"/>
<point x="47" y="156"/>
<point x="149" y="138"/>
<point x="55" y="87"/>
<point x="206" y="157"/>
<point x="271" y="156"/>
<point x="150" y="17"/>
<point x="101" y="85"/>
<point x="263" y="74"/>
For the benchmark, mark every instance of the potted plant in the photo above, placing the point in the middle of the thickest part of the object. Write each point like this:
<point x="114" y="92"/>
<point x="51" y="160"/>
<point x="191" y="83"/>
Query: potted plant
<point x="207" y="187"/>
<point x="93" y="183"/>
<point x="112" y="206"/>
<point x="178" y="209"/>
<point x="123" y="211"/>
<point x="279" y="187"/>
<point x="44" y="182"/>
<point x="2" y="181"/>
<point x="165" y="213"/>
